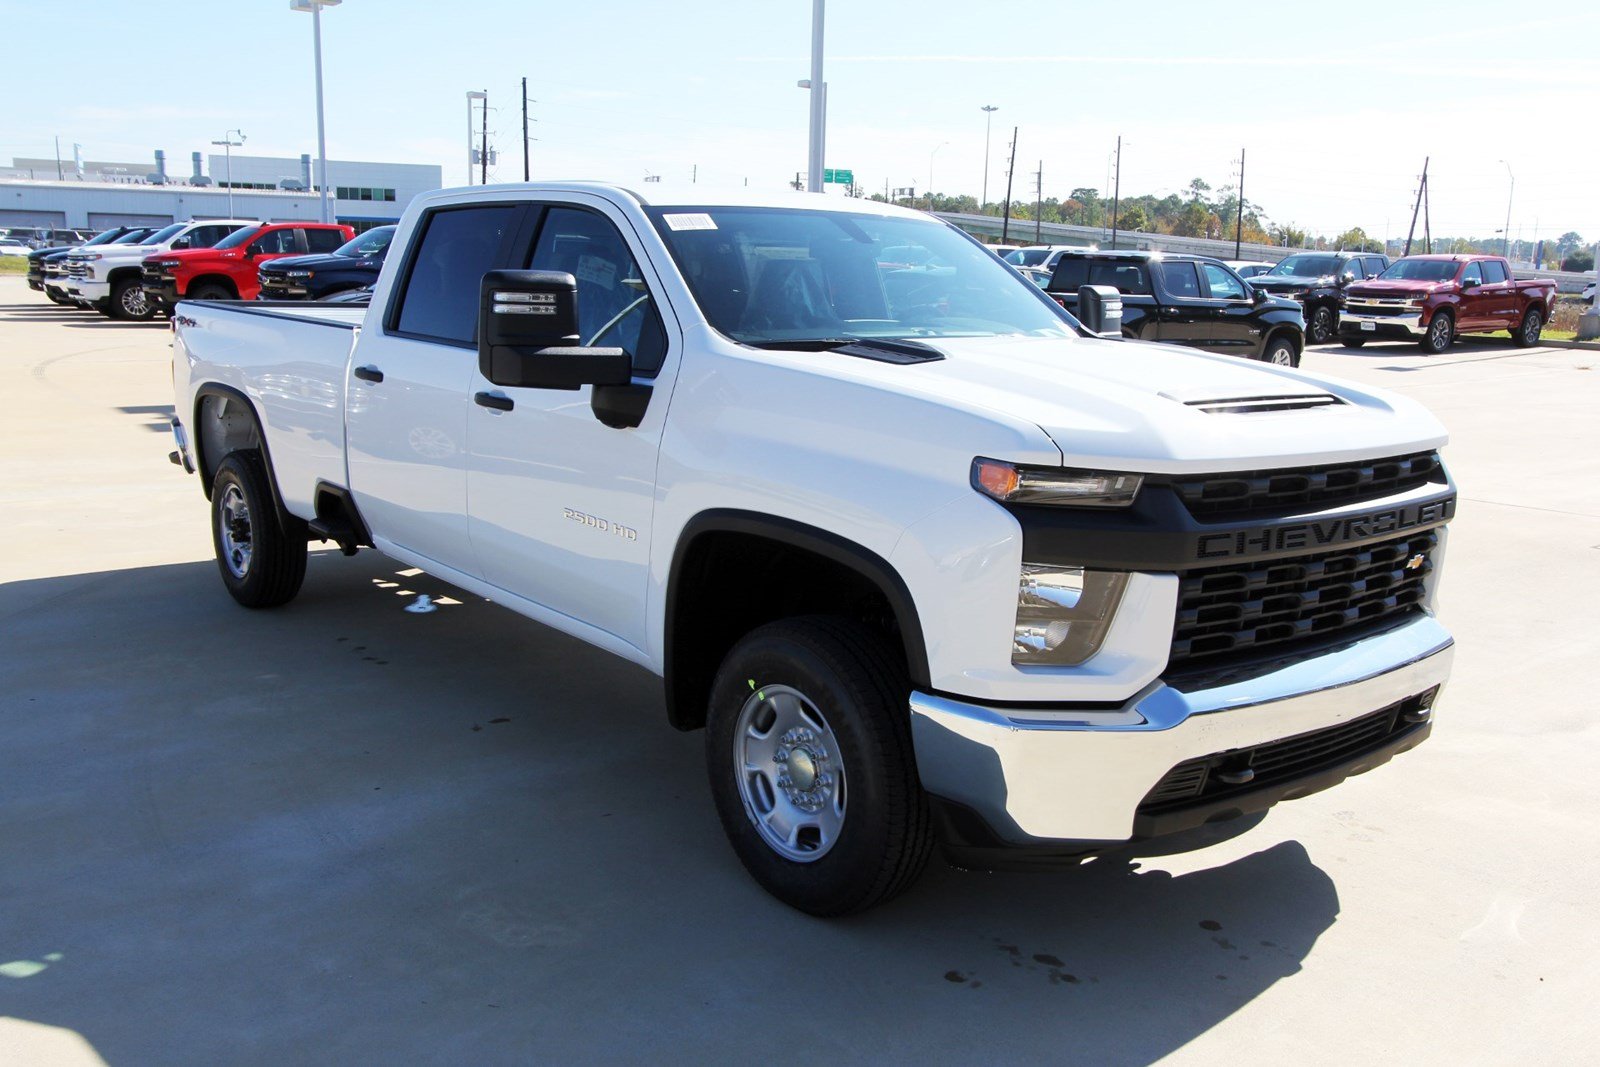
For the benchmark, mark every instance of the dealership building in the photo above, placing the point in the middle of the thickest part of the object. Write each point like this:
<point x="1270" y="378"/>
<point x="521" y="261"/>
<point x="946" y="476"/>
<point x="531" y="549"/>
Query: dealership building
<point x="96" y="194"/>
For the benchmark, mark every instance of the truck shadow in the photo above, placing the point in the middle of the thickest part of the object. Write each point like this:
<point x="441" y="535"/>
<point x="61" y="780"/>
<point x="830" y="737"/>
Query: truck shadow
<point x="456" y="830"/>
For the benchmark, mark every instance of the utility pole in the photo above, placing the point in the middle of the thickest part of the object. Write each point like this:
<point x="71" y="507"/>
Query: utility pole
<point x="1427" y="230"/>
<point x="1116" y="194"/>
<point x="1038" y="202"/>
<point x="1238" y="227"/>
<point x="1416" y="207"/>
<point x="988" y="122"/>
<point x="59" y="176"/>
<point x="1505" y="246"/>
<point x="483" y="152"/>
<point x="1005" y="226"/>
<point x="525" y="171"/>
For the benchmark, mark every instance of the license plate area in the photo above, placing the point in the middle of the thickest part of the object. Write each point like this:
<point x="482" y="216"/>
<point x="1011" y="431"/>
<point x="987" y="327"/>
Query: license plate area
<point x="1368" y="324"/>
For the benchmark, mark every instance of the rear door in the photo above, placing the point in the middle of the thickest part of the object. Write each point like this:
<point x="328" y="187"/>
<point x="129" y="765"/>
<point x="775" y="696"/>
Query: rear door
<point x="561" y="504"/>
<point x="409" y="386"/>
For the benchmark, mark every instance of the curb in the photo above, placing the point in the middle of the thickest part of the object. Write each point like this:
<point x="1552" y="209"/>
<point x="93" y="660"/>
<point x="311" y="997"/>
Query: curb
<point x="1586" y="346"/>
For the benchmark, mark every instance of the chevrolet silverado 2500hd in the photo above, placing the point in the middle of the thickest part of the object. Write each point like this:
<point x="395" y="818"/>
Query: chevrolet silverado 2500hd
<point x="926" y="561"/>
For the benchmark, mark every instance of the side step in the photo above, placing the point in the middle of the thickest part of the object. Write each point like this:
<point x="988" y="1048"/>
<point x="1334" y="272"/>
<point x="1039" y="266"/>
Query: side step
<point x="338" y="530"/>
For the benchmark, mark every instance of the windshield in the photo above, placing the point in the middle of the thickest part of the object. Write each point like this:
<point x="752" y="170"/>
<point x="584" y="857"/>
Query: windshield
<point x="238" y="237"/>
<point x="767" y="275"/>
<point x="1028" y="257"/>
<point x="1306" y="267"/>
<point x="103" y="237"/>
<point x="166" y="233"/>
<point x="371" y="243"/>
<point x="1421" y="270"/>
<point x="132" y="237"/>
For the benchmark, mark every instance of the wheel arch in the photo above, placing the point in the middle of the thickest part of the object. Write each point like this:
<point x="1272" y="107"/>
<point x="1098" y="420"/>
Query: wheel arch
<point x="211" y="279"/>
<point x="1297" y="338"/>
<point x="810" y="558"/>
<point x="226" y="421"/>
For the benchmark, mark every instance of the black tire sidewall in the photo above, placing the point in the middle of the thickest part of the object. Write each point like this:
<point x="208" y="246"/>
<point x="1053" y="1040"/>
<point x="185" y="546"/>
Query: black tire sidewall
<point x="209" y="292"/>
<point x="1274" y="345"/>
<point x="1522" y="335"/>
<point x="842" y="880"/>
<point x="277" y="563"/>
<point x="1428" y="341"/>
<point x="118" y="311"/>
<point x="1323" y="336"/>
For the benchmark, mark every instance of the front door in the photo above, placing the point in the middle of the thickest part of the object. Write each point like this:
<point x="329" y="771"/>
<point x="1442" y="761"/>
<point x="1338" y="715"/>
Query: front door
<point x="1476" y="310"/>
<point x="560" y="503"/>
<point x="1235" y="326"/>
<point x="410" y="387"/>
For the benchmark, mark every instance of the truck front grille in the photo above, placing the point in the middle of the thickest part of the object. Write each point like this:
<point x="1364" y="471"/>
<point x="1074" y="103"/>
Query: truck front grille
<point x="1298" y="489"/>
<point x="1222" y="774"/>
<point x="152" y="273"/>
<point x="1265" y="606"/>
<point x="1373" y="306"/>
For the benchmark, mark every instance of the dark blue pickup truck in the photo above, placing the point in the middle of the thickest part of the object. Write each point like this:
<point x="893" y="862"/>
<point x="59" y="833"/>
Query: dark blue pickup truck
<point x="352" y="265"/>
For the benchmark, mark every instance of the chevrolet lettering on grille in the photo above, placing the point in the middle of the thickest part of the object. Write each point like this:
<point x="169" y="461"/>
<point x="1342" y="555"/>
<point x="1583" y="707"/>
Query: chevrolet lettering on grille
<point x="1323" y="533"/>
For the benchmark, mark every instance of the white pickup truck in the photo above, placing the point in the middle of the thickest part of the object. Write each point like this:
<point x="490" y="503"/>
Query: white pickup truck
<point x="929" y="563"/>
<point x="109" y="278"/>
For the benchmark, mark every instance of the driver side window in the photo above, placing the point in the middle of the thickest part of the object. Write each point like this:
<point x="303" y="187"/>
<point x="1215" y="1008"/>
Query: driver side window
<point x="615" y="309"/>
<point x="1224" y="286"/>
<point x="1473" y="275"/>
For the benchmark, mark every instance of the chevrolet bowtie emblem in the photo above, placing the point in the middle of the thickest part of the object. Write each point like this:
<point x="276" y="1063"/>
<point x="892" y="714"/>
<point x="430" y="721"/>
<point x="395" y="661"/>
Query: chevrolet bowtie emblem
<point x="1415" y="562"/>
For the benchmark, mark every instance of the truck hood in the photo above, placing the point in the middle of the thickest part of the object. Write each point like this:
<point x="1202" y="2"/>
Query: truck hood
<point x="1396" y="287"/>
<point x="1160" y="409"/>
<point x="320" y="261"/>
<point x="1287" y="283"/>
<point x="188" y="257"/>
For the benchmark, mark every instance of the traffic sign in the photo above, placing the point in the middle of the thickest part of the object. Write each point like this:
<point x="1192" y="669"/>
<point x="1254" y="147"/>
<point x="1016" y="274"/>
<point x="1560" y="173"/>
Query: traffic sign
<point x="838" y="177"/>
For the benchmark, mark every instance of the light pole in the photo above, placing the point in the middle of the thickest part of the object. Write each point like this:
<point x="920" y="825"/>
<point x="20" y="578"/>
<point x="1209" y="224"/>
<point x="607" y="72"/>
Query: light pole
<point x="935" y="152"/>
<point x="1506" y="245"/>
<point x="315" y="7"/>
<point x="988" y="122"/>
<point x="818" y="101"/>
<point x="228" y="145"/>
<point x="472" y="94"/>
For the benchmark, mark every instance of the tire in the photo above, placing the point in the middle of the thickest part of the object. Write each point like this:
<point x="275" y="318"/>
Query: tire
<point x="128" y="303"/>
<point x="1441" y="333"/>
<point x="1526" y="335"/>
<point x="826" y="700"/>
<point x="210" y="291"/>
<point x="1321" y="327"/>
<point x="1352" y="342"/>
<point x="261" y="550"/>
<point x="1280" y="352"/>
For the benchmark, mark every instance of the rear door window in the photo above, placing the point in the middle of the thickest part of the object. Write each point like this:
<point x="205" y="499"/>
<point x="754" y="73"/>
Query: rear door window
<point x="1180" y="278"/>
<point x="1494" y="272"/>
<point x="323" y="240"/>
<point x="457" y="246"/>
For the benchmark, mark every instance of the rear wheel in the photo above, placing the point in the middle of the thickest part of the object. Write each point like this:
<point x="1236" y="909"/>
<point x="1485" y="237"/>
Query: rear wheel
<point x="1280" y="353"/>
<point x="1441" y="333"/>
<point x="1527" y="335"/>
<point x="128" y="301"/>
<point x="261" y="550"/>
<point x="808" y="747"/>
<point x="1319" y="331"/>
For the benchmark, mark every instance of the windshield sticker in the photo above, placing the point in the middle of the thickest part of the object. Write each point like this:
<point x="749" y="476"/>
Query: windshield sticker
<point x="597" y="271"/>
<point x="690" y="222"/>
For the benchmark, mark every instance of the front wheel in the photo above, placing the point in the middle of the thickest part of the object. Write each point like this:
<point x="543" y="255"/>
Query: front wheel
<point x="128" y="301"/>
<point x="1527" y="335"/>
<point x="209" y="291"/>
<point x="808" y="747"/>
<point x="1319" y="331"/>
<point x="261" y="550"/>
<point x="1280" y="353"/>
<point x="1441" y="333"/>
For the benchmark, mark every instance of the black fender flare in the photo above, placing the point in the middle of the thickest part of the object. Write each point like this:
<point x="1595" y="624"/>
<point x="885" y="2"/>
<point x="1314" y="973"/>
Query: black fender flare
<point x="868" y="564"/>
<point x="206" y="469"/>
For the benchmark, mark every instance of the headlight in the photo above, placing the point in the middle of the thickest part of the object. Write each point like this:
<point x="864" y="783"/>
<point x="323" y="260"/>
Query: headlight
<point x="297" y="273"/>
<point x="1062" y="486"/>
<point x="170" y="264"/>
<point x="1063" y="613"/>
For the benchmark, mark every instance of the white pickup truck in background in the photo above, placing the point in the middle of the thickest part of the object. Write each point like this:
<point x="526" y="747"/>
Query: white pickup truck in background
<point x="928" y="563"/>
<point x="109" y="278"/>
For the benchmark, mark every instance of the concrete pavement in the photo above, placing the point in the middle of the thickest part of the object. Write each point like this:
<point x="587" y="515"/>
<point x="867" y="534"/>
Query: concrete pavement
<point x="343" y="833"/>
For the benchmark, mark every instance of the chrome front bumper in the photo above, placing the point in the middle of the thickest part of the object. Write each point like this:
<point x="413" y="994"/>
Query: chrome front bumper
<point x="1351" y="322"/>
<point x="1038" y="776"/>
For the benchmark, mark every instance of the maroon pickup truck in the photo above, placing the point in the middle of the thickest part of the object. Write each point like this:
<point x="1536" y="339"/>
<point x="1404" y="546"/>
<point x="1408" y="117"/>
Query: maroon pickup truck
<point x="1430" y="299"/>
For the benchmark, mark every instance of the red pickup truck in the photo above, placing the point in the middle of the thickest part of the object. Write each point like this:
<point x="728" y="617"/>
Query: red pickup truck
<point x="1430" y="299"/>
<point x="228" y="269"/>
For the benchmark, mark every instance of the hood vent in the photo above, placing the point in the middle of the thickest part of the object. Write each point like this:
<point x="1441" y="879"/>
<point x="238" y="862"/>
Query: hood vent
<point x="1251" y="405"/>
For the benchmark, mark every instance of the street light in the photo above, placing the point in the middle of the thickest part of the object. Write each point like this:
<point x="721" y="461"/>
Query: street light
<point x="315" y="7"/>
<point x="228" y="145"/>
<point x="1506" y="245"/>
<point x="472" y="94"/>
<point x="988" y="122"/>
<point x="935" y="152"/>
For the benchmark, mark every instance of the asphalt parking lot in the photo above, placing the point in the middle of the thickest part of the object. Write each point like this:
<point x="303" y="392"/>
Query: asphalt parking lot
<point x="344" y="833"/>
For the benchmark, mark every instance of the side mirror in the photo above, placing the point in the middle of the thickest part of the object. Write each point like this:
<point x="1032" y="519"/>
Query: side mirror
<point x="1100" y="310"/>
<point x="1347" y="277"/>
<point x="1258" y="296"/>
<point x="182" y="242"/>
<point x="528" y="334"/>
<point x="1469" y="285"/>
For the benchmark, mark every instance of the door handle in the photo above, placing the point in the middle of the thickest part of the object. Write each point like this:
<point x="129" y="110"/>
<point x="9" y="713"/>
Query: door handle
<point x="369" y="374"/>
<point x="497" y="401"/>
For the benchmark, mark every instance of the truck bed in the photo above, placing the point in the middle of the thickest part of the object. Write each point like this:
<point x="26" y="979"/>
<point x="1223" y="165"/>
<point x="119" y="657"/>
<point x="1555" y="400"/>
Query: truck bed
<point x="291" y="359"/>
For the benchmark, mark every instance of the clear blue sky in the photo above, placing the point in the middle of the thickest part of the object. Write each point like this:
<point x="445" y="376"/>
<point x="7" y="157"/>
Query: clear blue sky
<point x="1336" y="104"/>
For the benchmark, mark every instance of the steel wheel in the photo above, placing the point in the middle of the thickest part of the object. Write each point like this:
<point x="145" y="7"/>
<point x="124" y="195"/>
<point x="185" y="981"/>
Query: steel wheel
<point x="233" y="531"/>
<point x="791" y="776"/>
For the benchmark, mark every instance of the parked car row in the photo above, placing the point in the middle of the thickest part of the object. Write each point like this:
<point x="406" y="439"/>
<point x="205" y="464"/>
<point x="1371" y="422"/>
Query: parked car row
<point x="1351" y="297"/>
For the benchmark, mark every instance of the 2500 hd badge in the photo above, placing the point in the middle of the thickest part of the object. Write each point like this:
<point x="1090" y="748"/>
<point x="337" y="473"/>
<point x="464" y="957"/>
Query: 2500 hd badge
<point x="1324" y="533"/>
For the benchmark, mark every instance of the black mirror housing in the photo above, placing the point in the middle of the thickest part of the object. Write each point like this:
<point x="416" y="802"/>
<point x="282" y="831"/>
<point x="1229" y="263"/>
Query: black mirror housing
<point x="182" y="242"/>
<point x="528" y="334"/>
<point x="1100" y="310"/>
<point x="1258" y="296"/>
